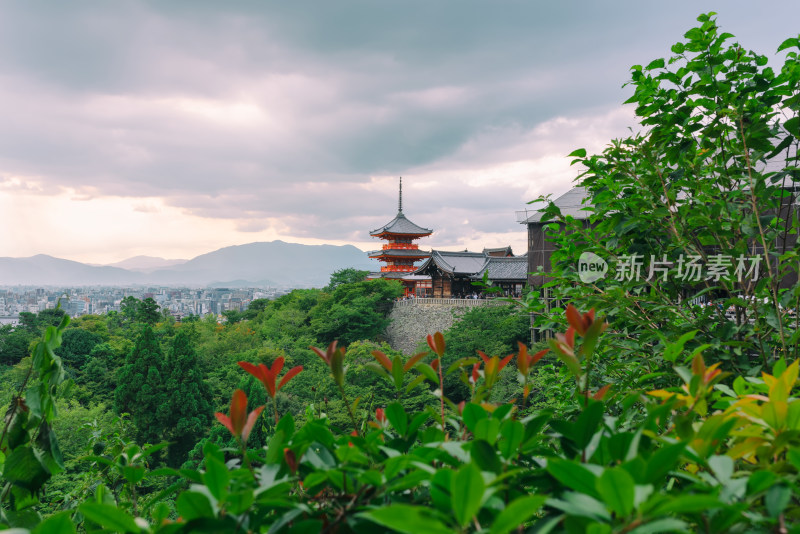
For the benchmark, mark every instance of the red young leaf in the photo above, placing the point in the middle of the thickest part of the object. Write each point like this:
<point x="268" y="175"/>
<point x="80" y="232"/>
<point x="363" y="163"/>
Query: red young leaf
<point x="383" y="360"/>
<point x="539" y="355"/>
<point x="436" y="343"/>
<point x="600" y="393"/>
<point x="484" y="357"/>
<point x="475" y="375"/>
<point x="523" y="360"/>
<point x="575" y="319"/>
<point x="291" y="373"/>
<point x="277" y="366"/>
<point x="251" y="420"/>
<point x="505" y="361"/>
<point x="413" y="360"/>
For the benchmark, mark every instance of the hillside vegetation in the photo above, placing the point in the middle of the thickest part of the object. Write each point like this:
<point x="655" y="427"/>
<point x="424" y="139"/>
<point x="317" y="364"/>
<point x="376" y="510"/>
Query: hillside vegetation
<point x="645" y="412"/>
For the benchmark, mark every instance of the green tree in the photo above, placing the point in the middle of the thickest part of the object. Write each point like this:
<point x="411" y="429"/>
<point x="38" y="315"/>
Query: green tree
<point x="14" y="343"/>
<point x="493" y="329"/>
<point x="345" y="276"/>
<point x="76" y="346"/>
<point x="140" y="387"/>
<point x="355" y="311"/>
<point x="148" y="312"/>
<point x="187" y="411"/>
<point x="710" y="174"/>
<point x="129" y="308"/>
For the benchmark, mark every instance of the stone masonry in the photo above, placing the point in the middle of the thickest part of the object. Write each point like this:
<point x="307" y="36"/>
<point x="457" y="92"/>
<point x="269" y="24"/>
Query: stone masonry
<point x="414" y="319"/>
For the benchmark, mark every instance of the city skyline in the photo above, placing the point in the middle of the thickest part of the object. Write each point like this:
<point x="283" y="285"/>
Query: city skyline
<point x="141" y="128"/>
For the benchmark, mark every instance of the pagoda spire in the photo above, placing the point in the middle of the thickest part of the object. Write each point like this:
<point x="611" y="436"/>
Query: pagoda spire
<point x="400" y="201"/>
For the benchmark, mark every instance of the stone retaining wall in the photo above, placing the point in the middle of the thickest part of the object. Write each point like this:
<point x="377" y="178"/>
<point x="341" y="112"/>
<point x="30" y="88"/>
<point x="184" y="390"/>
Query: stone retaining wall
<point x="414" y="319"/>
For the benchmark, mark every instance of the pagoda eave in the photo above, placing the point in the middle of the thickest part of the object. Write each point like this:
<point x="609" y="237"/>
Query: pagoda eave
<point x="394" y="235"/>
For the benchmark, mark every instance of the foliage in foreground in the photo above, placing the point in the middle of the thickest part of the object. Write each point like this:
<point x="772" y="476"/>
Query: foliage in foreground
<point x="701" y="456"/>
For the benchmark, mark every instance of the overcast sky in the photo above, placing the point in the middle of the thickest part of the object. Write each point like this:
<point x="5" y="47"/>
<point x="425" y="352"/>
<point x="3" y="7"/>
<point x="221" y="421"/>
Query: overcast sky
<point x="175" y="128"/>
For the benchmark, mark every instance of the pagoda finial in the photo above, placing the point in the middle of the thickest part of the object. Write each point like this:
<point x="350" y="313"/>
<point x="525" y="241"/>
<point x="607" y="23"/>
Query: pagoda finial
<point x="400" y="201"/>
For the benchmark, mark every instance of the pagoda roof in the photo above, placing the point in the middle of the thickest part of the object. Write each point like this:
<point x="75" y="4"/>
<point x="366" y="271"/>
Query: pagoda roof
<point x="399" y="253"/>
<point x="401" y="225"/>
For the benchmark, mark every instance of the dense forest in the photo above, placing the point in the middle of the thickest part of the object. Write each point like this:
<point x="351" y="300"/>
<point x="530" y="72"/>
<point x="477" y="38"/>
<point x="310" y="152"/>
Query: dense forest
<point x="646" y="410"/>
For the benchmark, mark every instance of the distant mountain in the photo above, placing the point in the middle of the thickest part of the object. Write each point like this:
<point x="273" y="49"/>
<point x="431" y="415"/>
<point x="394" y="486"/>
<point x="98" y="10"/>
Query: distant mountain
<point x="47" y="270"/>
<point x="145" y="264"/>
<point x="276" y="263"/>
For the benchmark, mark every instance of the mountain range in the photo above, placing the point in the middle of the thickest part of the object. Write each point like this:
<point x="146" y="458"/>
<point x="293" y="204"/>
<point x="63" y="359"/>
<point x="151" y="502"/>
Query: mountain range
<point x="274" y="263"/>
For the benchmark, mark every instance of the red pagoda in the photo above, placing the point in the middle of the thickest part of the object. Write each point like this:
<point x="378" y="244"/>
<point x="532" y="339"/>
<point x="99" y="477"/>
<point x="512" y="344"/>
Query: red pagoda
<point x="400" y="252"/>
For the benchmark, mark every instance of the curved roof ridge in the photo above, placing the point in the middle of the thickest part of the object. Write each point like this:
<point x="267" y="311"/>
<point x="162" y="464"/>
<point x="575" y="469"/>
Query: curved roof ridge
<point x="401" y="225"/>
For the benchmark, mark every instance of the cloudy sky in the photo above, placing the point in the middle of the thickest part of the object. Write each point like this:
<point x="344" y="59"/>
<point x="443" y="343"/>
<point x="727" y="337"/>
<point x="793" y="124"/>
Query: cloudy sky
<point x="175" y="128"/>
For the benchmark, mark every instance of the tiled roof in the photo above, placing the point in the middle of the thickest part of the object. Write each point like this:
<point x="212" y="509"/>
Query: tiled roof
<point x="401" y="225"/>
<point x="570" y="203"/>
<point x="459" y="263"/>
<point x="505" y="250"/>
<point x="515" y="268"/>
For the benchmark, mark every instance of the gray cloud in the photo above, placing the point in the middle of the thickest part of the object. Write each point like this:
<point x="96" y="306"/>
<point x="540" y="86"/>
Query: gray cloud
<point x="280" y="114"/>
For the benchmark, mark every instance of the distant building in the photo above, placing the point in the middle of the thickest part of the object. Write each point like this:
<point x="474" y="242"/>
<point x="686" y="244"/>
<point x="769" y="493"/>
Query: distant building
<point x="453" y="273"/>
<point x="540" y="248"/>
<point x="399" y="253"/>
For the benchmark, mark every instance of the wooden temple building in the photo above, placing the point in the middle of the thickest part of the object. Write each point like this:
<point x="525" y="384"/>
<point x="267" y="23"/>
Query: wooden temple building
<point x="452" y="273"/>
<point x="399" y="253"/>
<point x="443" y="274"/>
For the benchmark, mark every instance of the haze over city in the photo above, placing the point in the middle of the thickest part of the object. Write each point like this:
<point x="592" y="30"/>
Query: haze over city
<point x="174" y="129"/>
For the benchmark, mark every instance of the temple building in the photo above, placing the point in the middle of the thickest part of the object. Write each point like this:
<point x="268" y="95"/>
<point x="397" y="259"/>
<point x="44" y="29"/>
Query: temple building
<point x="453" y="274"/>
<point x="399" y="253"/>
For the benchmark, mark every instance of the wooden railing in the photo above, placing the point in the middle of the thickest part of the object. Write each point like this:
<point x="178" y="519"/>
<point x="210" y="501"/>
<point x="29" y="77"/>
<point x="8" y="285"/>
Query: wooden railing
<point x="460" y="303"/>
<point x="400" y="246"/>
<point x="398" y="268"/>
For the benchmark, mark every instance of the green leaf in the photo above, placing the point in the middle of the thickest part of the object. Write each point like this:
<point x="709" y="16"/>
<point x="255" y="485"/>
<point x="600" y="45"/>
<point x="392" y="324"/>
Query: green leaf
<point x="668" y="524"/>
<point x="133" y="473"/>
<point x="60" y="523"/>
<point x="24" y="468"/>
<point x="485" y="456"/>
<point x="686" y="504"/>
<point x="517" y="512"/>
<point x="655" y="64"/>
<point x="672" y="350"/>
<point x="22" y="520"/>
<point x="471" y="414"/>
<point x="109" y="517"/>
<point x="216" y="477"/>
<point x="397" y="416"/>
<point x="397" y="372"/>
<point x="586" y="424"/>
<point x="788" y="43"/>
<point x="414" y="383"/>
<point x="776" y="499"/>
<point x="408" y="519"/>
<point x="573" y="476"/>
<point x="579" y="153"/>
<point x="441" y="496"/>
<point x="428" y="371"/>
<point x="512" y="432"/>
<point x="467" y="493"/>
<point x="616" y="487"/>
<point x="191" y="505"/>
<point x="487" y="429"/>
<point x="662" y="461"/>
